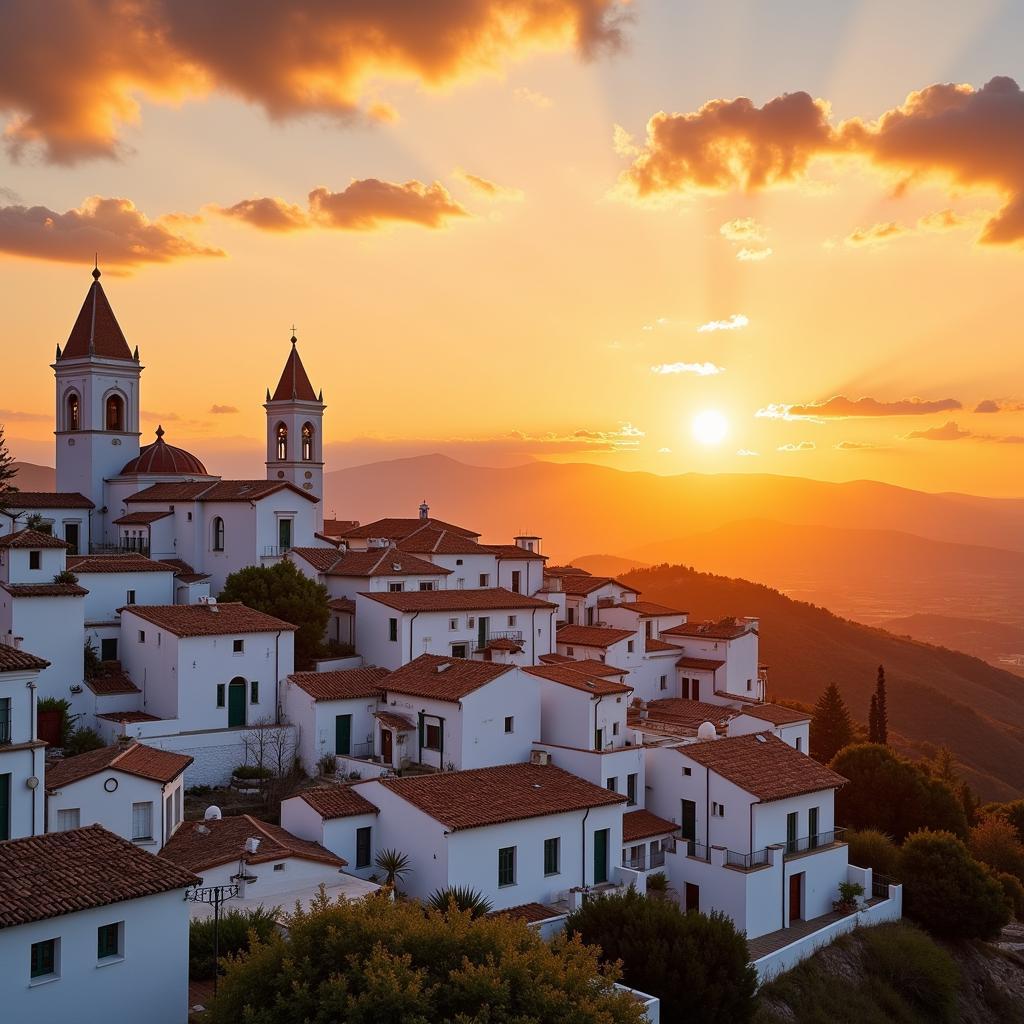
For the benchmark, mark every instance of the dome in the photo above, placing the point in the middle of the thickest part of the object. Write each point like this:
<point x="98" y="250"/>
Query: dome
<point x="163" y="458"/>
<point x="706" y="731"/>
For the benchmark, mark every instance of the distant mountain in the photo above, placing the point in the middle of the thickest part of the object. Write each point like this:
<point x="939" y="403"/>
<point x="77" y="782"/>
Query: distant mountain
<point x="936" y="696"/>
<point x="607" y="565"/>
<point x="579" y="507"/>
<point x="998" y="643"/>
<point x="34" y="478"/>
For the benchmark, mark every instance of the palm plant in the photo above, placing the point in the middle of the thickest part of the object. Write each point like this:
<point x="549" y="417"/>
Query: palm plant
<point x="462" y="897"/>
<point x="395" y="866"/>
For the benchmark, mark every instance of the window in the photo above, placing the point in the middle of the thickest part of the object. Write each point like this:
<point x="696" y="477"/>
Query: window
<point x="507" y="866"/>
<point x="279" y="867"/>
<point x="115" y="413"/>
<point x="516" y="578"/>
<point x="458" y="650"/>
<point x="142" y="636"/>
<point x="426" y="584"/>
<point x="220" y="695"/>
<point x="108" y="941"/>
<point x="590" y="616"/>
<point x="363" y="847"/>
<point x="396" y="588"/>
<point x="68" y="819"/>
<point x="284" y="534"/>
<point x="510" y="724"/>
<point x="74" y="413"/>
<point x="44" y="958"/>
<point x="142" y="820"/>
<point x="615" y="727"/>
<point x="238" y="647"/>
<point x="129" y="597"/>
<point x="432" y="736"/>
<point x="168" y="815"/>
<point x="570" y="651"/>
<point x="629" y="646"/>
<point x="458" y="561"/>
<point x="599" y="739"/>
<point x="453" y="623"/>
<point x="792" y="831"/>
<point x="570" y="615"/>
<point x="552" y="856"/>
<point x="485" y="579"/>
<point x="800" y="743"/>
<point x="663" y="683"/>
<point x="254" y="691"/>
<point x="612" y="784"/>
<point x="177" y="806"/>
<point x="5" y="720"/>
<point x="35" y="559"/>
<point x="717" y="810"/>
<point x="393" y="630"/>
<point x="218" y="533"/>
<point x="282" y="442"/>
<point x="687" y="771"/>
<point x="631" y="781"/>
<point x="307" y="442"/>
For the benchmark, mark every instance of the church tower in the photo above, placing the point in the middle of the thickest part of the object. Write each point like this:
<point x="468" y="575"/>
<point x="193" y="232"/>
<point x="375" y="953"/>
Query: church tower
<point x="295" y="444"/>
<point x="97" y="403"/>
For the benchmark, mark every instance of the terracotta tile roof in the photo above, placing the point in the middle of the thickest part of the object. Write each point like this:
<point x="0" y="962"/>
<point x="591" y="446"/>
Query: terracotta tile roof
<point x="115" y="563"/>
<point x="320" y="558"/>
<point x="393" y="721"/>
<point x="44" y="589"/>
<point x="440" y="542"/>
<point x="151" y="763"/>
<point x="706" y="664"/>
<point x="491" y="796"/>
<point x="578" y="586"/>
<point x="201" y="845"/>
<point x="294" y="385"/>
<point x="395" y="529"/>
<point x="449" y="679"/>
<point x="335" y="542"/>
<point x="777" y="714"/>
<point x="111" y="682"/>
<point x="383" y="562"/>
<point x="641" y="824"/>
<point x="564" y="570"/>
<point x="32" y="539"/>
<point x="597" y="668"/>
<point x="512" y="551"/>
<point x="504" y="644"/>
<point x="128" y="716"/>
<point x="60" y="873"/>
<point x="567" y="675"/>
<point x="531" y="913"/>
<point x="218" y="490"/>
<point x="485" y="599"/>
<point x="344" y="684"/>
<point x="339" y="527"/>
<point x="46" y="499"/>
<point x="184" y="572"/>
<point x="96" y="332"/>
<point x="555" y="659"/>
<point x="141" y="518"/>
<point x="170" y="492"/>
<point x="592" y="636"/>
<point x="688" y="714"/>
<point x="332" y="802"/>
<point x="648" y="609"/>
<point x="653" y="646"/>
<point x="763" y="765"/>
<point x="13" y="659"/>
<point x="188" y="620"/>
<point x="727" y="629"/>
<point x="342" y="604"/>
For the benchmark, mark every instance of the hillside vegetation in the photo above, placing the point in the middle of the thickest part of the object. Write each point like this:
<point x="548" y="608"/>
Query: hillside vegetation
<point x="936" y="696"/>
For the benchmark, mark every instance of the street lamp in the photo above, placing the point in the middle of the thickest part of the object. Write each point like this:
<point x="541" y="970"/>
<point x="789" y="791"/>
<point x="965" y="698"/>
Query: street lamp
<point x="214" y="895"/>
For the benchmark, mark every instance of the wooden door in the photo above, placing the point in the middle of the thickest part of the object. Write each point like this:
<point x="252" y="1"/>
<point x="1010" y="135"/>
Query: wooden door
<point x="343" y="735"/>
<point x="688" y="821"/>
<point x="691" y="898"/>
<point x="795" y="892"/>
<point x="482" y="630"/>
<point x="236" y="703"/>
<point x="600" y="856"/>
<point x="385" y="745"/>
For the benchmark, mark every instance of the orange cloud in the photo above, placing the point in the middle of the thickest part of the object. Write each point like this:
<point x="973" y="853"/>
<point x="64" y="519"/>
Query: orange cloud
<point x="949" y="431"/>
<point x="841" y="407"/>
<point x="267" y="213"/>
<point x="70" y="71"/>
<point x="490" y="189"/>
<point x="876" y="234"/>
<point x="121" y="234"/>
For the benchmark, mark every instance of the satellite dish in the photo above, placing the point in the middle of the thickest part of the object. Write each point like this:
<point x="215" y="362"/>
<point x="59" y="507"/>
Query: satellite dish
<point x="212" y="813"/>
<point x="706" y="731"/>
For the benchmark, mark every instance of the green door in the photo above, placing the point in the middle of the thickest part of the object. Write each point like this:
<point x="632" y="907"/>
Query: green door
<point x="236" y="703"/>
<point x="482" y="629"/>
<point x="689" y="822"/>
<point x="812" y="827"/>
<point x="284" y="534"/>
<point x="5" y="806"/>
<point x="792" y="826"/>
<point x="343" y="735"/>
<point x="600" y="856"/>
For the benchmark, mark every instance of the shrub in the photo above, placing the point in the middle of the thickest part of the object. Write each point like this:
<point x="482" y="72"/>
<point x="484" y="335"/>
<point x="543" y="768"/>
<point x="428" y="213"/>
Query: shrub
<point x="67" y="721"/>
<point x="947" y="891"/>
<point x="82" y="741"/>
<point x="1013" y="812"/>
<point x="461" y="897"/>
<point x="65" y="576"/>
<point x="395" y="866"/>
<point x="1013" y="891"/>
<point x="869" y="848"/>
<point x="252" y="771"/>
<point x="236" y="929"/>
<point x="994" y="842"/>
<point x="697" y="965"/>
<point x="327" y="764"/>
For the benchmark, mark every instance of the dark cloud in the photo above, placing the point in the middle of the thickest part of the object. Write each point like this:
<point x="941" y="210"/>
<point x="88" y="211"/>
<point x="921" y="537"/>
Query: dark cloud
<point x="841" y="407"/>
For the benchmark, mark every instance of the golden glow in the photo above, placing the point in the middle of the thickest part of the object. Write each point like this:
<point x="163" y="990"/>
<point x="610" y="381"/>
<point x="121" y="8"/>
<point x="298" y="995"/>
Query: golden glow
<point x="710" y="427"/>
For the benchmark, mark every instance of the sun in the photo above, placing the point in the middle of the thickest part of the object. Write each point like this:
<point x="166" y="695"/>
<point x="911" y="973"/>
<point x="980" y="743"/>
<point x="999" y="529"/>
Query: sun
<point x="710" y="427"/>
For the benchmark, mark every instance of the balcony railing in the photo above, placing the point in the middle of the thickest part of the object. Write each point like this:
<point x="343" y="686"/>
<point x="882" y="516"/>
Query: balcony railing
<point x="746" y="861"/>
<point x="818" y="841"/>
<point x="515" y="635"/>
<point x="126" y="546"/>
<point x="880" y="885"/>
<point x="644" y="861"/>
<point x="276" y="550"/>
<point x="697" y="850"/>
<point x="5" y="731"/>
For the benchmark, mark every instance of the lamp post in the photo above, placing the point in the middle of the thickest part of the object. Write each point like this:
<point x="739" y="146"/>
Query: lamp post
<point x="214" y="895"/>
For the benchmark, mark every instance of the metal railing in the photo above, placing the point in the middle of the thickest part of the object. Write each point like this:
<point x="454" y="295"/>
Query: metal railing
<point x="644" y="861"/>
<point x="746" y="861"/>
<point x="275" y="550"/>
<point x="126" y="546"/>
<point x="696" y="850"/>
<point x="880" y="885"/>
<point x="515" y="635"/>
<point x="818" y="841"/>
<point x="5" y="731"/>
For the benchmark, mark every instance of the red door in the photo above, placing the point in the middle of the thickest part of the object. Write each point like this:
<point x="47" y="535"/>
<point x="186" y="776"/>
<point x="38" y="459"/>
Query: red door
<point x="385" y="745"/>
<point x="795" y="886"/>
<point x="692" y="897"/>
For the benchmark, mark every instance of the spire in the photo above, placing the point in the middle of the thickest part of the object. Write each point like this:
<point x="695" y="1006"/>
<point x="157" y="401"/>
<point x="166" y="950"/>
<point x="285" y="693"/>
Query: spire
<point x="294" y="385"/>
<point x="96" y="331"/>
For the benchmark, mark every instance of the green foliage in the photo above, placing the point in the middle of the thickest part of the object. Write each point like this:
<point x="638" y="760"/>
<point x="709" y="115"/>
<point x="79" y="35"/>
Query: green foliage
<point x="395" y="866"/>
<point x="375" y="961"/>
<point x="850" y="892"/>
<point x="878" y="719"/>
<point x="92" y="663"/>
<point x="994" y="842"/>
<point x="236" y="929"/>
<point x="831" y="727"/>
<point x="461" y="897"/>
<point x="1013" y="812"/>
<point x="66" y="577"/>
<point x="8" y="471"/>
<point x="81" y="741"/>
<point x="947" y="891"/>
<point x="891" y="794"/>
<point x="657" y="883"/>
<point x="281" y="590"/>
<point x="67" y="723"/>
<point x="869" y="848"/>
<point x="252" y="771"/>
<point x="697" y="965"/>
<point x="1013" y="891"/>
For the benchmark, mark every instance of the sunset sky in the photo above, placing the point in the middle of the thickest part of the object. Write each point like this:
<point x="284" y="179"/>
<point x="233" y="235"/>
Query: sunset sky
<point x="514" y="229"/>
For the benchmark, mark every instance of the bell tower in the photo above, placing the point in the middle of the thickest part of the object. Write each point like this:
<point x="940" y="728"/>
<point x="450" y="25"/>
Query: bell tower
<point x="295" y="444"/>
<point x="97" y="403"/>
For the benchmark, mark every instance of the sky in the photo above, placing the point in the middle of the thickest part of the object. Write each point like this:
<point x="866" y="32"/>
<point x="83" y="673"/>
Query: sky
<point x="670" y="236"/>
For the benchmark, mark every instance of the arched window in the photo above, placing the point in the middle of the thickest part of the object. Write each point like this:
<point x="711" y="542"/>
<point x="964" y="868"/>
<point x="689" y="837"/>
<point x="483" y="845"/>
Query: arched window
<point x="282" y="442"/>
<point x="115" y="413"/>
<point x="218" y="533"/>
<point x="74" y="420"/>
<point x="307" y="442"/>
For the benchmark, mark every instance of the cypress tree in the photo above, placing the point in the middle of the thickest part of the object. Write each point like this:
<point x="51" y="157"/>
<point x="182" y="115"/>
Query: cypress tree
<point x="873" y="720"/>
<point x="883" y="710"/>
<point x="8" y="470"/>
<point x="831" y="727"/>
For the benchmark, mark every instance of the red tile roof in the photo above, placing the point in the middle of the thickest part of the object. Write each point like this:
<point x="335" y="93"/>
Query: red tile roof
<point x="111" y="683"/>
<point x="648" y="609"/>
<point x="44" y="589"/>
<point x="393" y="721"/>
<point x="565" y="570"/>
<point x="151" y="763"/>
<point x="141" y="518"/>
<point x="531" y="913"/>
<point x="160" y="458"/>
<point x="567" y="675"/>
<point x="96" y="332"/>
<point x="577" y="586"/>
<point x="294" y="385"/>
<point x="115" y="563"/>
<point x="763" y="765"/>
<point x="727" y="629"/>
<point x="48" y="876"/>
<point x="653" y="646"/>
<point x="128" y="716"/>
<point x="13" y="659"/>
<point x="218" y="490"/>
<point x="688" y="714"/>
<point x="441" y="542"/>
<point x="32" y="539"/>
<point x="188" y="620"/>
<point x="344" y="684"/>
<point x="201" y="845"/>
<point x="46" y="499"/>
<point x="592" y="636"/>
<point x="383" y="562"/>
<point x="448" y="679"/>
<point x="704" y="664"/>
<point x="332" y="802"/>
<point x="492" y="796"/>
<point x="342" y="604"/>
<point x="512" y="551"/>
<point x="641" y="824"/>
<point x="184" y="572"/>
<point x="339" y="527"/>
<point x="777" y="714"/>
<point x="394" y="529"/>
<point x="320" y="558"/>
<point x="485" y="599"/>
<point x="597" y="668"/>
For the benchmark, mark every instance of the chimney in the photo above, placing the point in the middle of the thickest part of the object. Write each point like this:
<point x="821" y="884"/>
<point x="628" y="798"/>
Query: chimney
<point x="424" y="509"/>
<point x="124" y="741"/>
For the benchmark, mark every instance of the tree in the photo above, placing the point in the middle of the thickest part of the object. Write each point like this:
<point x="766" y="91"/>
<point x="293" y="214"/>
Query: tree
<point x="375" y="961"/>
<point x="395" y="866"/>
<point x="994" y="842"/>
<point x="8" y="470"/>
<point x="869" y="848"/>
<point x="281" y="590"/>
<point x="882" y="710"/>
<point x="873" y="727"/>
<point x="1013" y="812"/>
<point x="947" y="891"/>
<point x="831" y="727"/>
<point x="461" y="897"/>
<point x="887" y="792"/>
<point x="696" y="965"/>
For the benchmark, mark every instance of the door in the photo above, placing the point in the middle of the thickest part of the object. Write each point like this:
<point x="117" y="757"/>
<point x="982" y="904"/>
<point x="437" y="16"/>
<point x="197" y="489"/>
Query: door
<point x="343" y="735"/>
<point x="695" y="689"/>
<point x="691" y="898"/>
<point x="812" y="828"/>
<point x="482" y="630"/>
<point x="236" y="703"/>
<point x="284" y="534"/>
<point x="600" y="856"/>
<point x="688" y="823"/>
<point x="795" y="891"/>
<point x="792" y="827"/>
<point x="108" y="649"/>
<point x="516" y="580"/>
<point x="385" y="745"/>
<point x="71" y="536"/>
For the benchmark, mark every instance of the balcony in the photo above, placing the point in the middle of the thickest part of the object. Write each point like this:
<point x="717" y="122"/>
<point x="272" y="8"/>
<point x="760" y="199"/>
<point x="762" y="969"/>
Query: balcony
<point x="126" y="546"/>
<point x="482" y="643"/>
<point x="730" y="858"/>
<point x="645" y="860"/>
<point x="5" y="732"/>
<point x="276" y="550"/>
<point x="818" y="841"/>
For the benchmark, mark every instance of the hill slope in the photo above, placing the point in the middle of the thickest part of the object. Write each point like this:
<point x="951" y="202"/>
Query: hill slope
<point x="35" y="478"/>
<point x="936" y="696"/>
<point x="999" y="643"/>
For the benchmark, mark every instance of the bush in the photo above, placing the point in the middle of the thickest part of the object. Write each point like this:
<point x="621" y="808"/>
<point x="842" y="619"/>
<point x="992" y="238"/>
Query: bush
<point x="994" y="842"/>
<point x="1013" y="891"/>
<point x="81" y="741"/>
<point x="697" y="965"/>
<point x="461" y="897"/>
<point x="947" y="891"/>
<point x="252" y="771"/>
<point x="1013" y="812"/>
<point x="869" y="848"/>
<point x="236" y="927"/>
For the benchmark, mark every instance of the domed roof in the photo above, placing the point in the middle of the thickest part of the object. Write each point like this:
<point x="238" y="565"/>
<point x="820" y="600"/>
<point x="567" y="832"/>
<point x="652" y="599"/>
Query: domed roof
<point x="163" y="458"/>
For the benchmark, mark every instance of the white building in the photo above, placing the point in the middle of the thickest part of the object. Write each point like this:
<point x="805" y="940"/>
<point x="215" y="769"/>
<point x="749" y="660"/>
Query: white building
<point x="134" y="791"/>
<point x="66" y="516"/>
<point x="123" y="947"/>
<point x="340" y="819"/>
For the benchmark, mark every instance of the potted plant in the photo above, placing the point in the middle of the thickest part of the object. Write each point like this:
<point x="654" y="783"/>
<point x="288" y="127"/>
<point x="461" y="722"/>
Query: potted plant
<point x="849" y="897"/>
